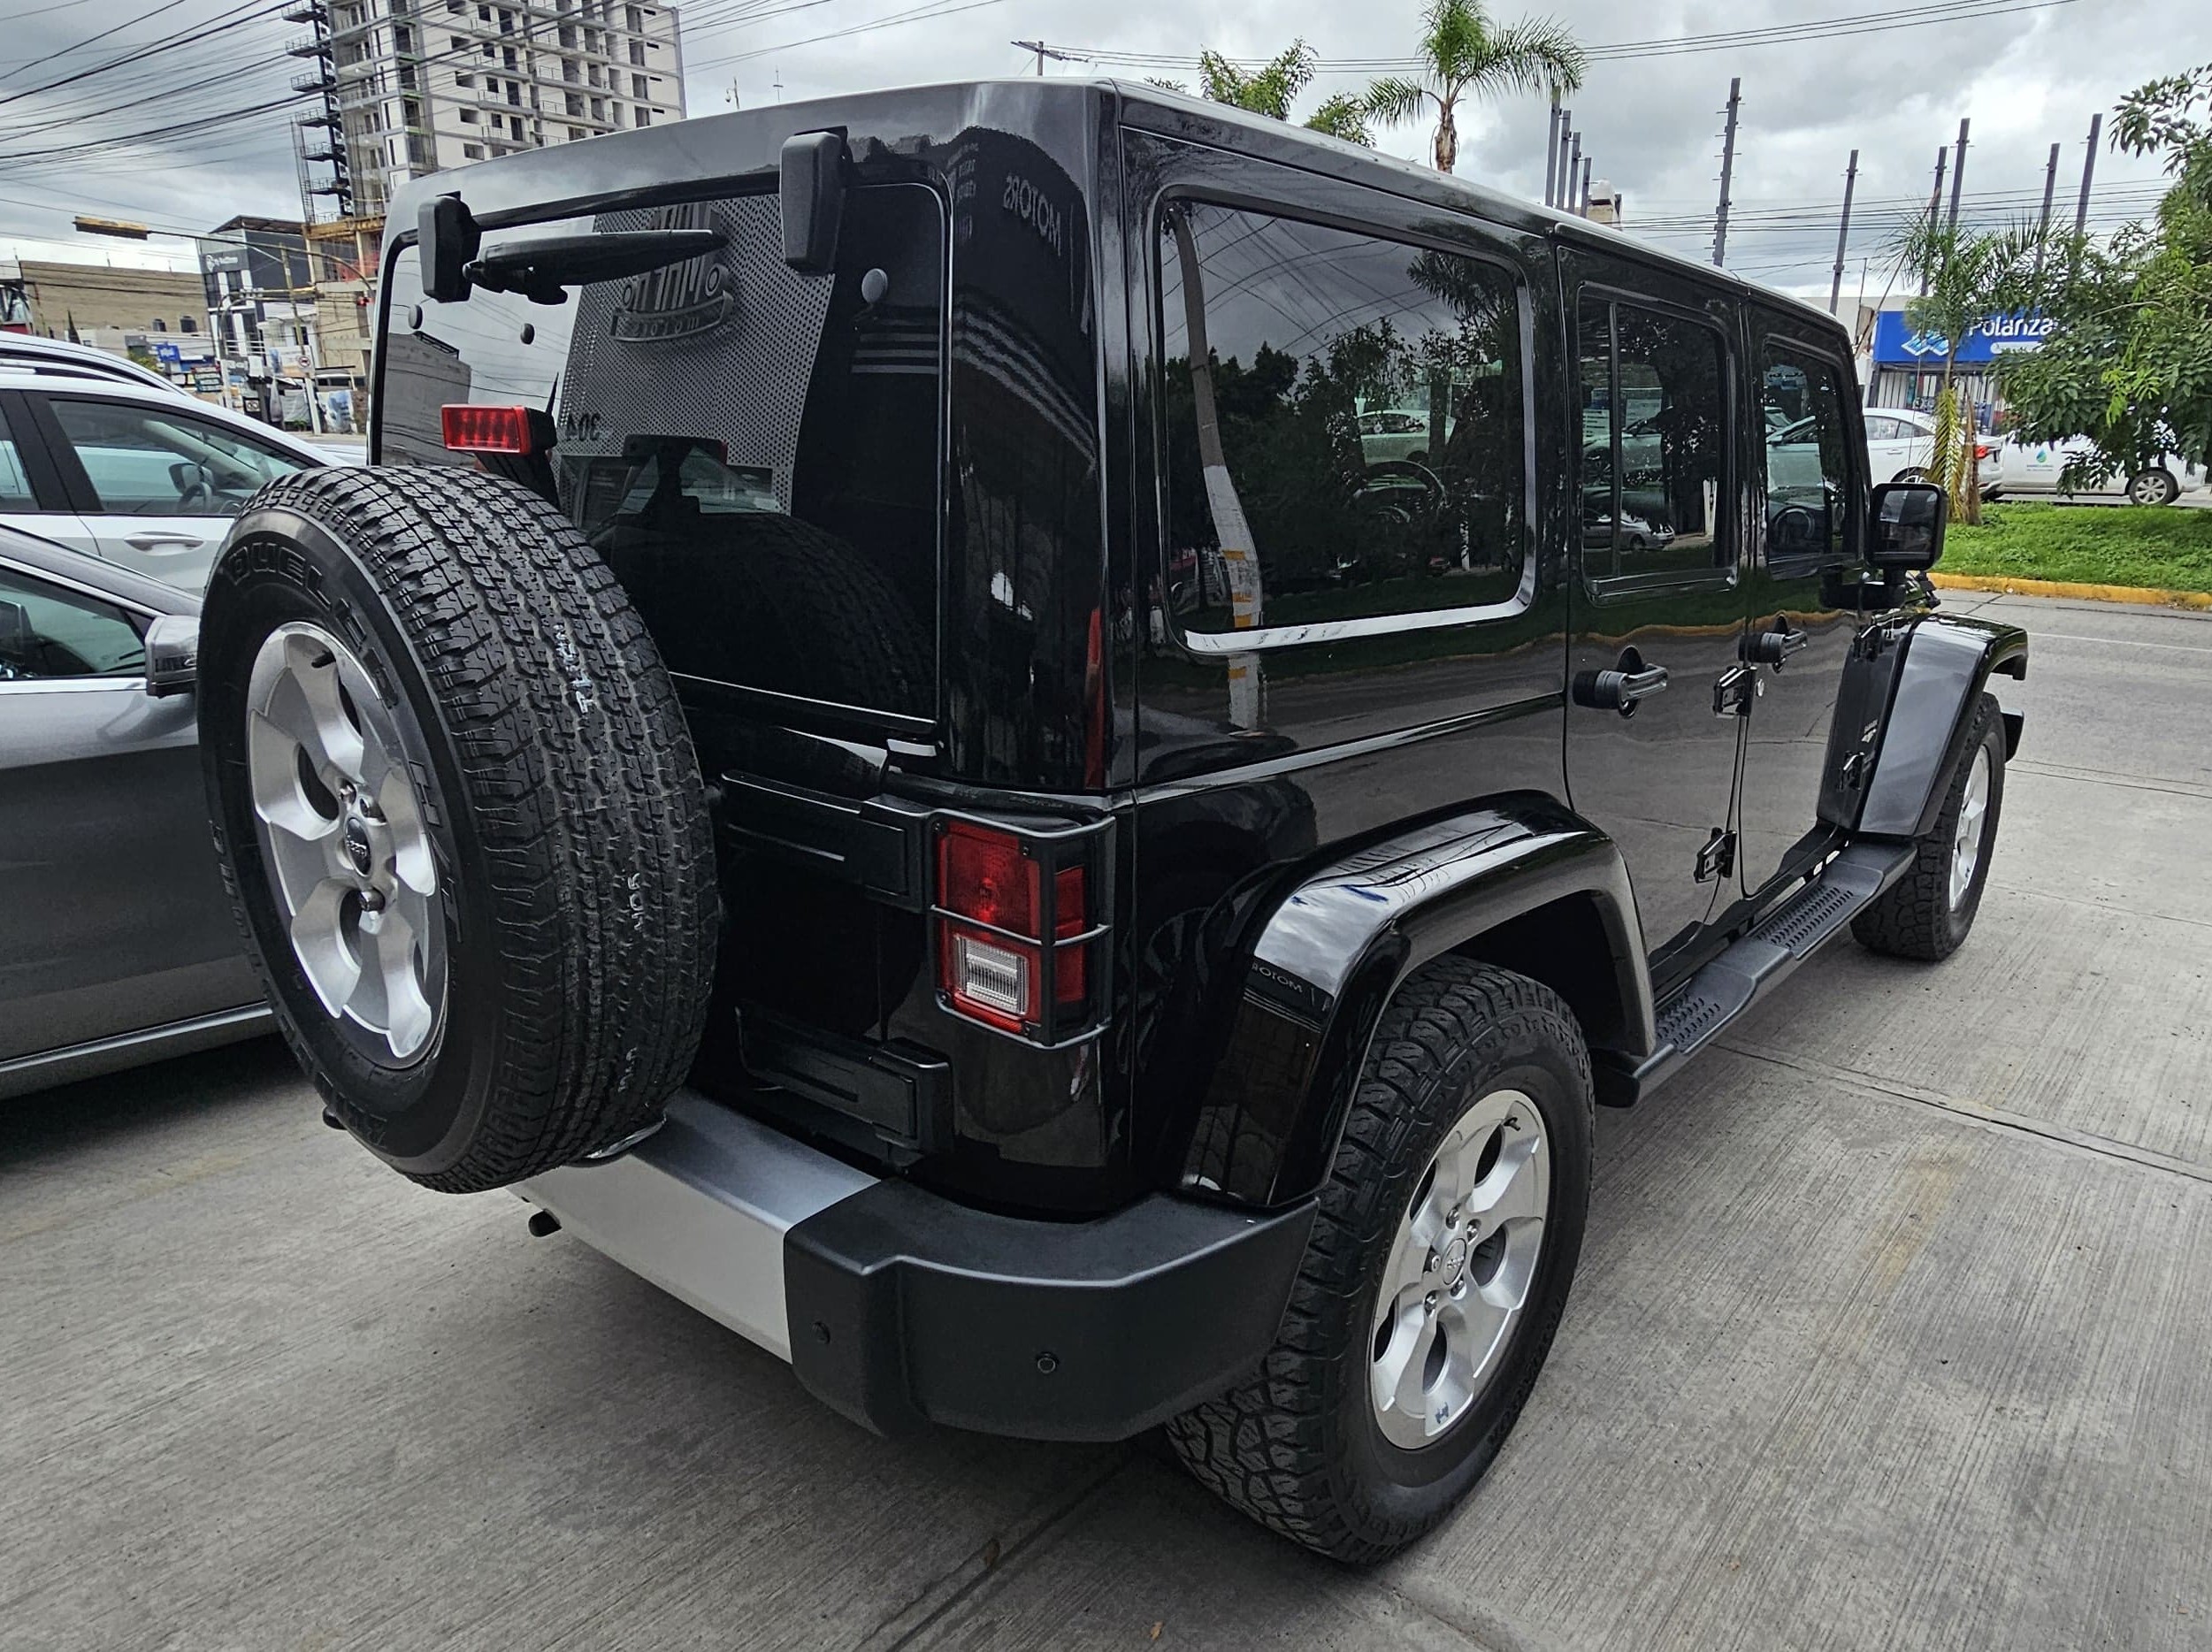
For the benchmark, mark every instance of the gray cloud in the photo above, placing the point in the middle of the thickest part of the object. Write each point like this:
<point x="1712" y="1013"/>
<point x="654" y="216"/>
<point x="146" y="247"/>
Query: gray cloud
<point x="2027" y="79"/>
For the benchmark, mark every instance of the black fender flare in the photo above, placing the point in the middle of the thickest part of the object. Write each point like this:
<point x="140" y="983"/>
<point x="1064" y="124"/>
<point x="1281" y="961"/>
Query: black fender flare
<point x="1302" y="1007"/>
<point x="1947" y="661"/>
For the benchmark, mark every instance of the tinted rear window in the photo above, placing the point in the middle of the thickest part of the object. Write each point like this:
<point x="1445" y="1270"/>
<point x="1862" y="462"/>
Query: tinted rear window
<point x="754" y="452"/>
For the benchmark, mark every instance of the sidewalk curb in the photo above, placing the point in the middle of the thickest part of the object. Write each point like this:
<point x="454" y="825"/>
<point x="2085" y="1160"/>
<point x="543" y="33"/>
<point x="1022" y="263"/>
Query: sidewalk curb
<point x="2140" y="595"/>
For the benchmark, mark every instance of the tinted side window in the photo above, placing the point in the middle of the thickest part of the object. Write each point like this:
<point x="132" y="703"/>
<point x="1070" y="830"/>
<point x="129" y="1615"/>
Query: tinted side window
<point x="15" y="487"/>
<point x="1349" y="441"/>
<point x="1809" y="485"/>
<point x="47" y="631"/>
<point x="147" y="461"/>
<point x="1654" y="436"/>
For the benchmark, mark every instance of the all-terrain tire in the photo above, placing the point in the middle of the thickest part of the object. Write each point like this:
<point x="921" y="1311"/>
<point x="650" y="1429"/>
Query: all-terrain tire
<point x="1917" y="917"/>
<point x="554" y="777"/>
<point x="1298" y="1448"/>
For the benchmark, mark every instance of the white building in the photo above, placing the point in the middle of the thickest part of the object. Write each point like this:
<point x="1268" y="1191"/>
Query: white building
<point x="415" y="86"/>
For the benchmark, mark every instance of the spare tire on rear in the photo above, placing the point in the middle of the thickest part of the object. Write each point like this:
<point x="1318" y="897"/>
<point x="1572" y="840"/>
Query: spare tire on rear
<point x="459" y="817"/>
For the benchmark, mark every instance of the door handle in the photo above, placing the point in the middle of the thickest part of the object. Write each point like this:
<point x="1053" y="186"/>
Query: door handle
<point x="164" y="541"/>
<point x="1629" y="683"/>
<point x="1774" y="644"/>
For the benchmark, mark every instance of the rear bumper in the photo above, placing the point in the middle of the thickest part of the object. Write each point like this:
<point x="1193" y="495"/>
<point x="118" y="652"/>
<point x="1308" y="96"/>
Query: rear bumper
<point x="898" y="1306"/>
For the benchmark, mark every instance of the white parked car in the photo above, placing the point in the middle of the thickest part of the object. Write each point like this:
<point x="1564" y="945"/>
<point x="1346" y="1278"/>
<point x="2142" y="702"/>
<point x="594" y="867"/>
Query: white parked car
<point x="1900" y="442"/>
<point x="28" y="353"/>
<point x="137" y="474"/>
<point x="2036" y="467"/>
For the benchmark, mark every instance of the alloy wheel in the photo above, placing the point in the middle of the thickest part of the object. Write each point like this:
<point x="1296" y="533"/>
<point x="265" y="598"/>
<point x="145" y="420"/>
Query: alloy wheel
<point x="1459" y="1273"/>
<point x="343" y="839"/>
<point x="1966" y="842"/>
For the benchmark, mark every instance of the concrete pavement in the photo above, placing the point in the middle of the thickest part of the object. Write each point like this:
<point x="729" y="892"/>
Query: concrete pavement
<point x="1891" y="1331"/>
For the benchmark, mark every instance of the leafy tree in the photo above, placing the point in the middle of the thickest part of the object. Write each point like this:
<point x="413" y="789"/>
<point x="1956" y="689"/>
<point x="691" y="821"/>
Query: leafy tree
<point x="1273" y="86"/>
<point x="2128" y="361"/>
<point x="1466" y="53"/>
<point x="1343" y="116"/>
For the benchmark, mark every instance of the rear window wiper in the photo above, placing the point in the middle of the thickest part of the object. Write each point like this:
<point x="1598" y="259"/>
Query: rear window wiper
<point x="539" y="270"/>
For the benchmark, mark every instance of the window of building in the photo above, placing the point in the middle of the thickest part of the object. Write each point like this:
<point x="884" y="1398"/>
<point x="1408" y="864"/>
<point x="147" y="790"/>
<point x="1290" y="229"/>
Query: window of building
<point x="637" y="88"/>
<point x="633" y="19"/>
<point x="515" y="93"/>
<point x="644" y="118"/>
<point x="575" y="101"/>
<point x="598" y="108"/>
<point x="1654" y="439"/>
<point x="458" y="44"/>
<point x="472" y="151"/>
<point x="636" y="52"/>
<point x="577" y="134"/>
<point x="468" y="117"/>
<point x="187" y="324"/>
<point x="484" y="14"/>
<point x="1370" y="401"/>
<point x="462" y="77"/>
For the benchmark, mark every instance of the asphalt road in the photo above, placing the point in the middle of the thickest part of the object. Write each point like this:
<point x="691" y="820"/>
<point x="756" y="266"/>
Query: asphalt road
<point x="1893" y="1329"/>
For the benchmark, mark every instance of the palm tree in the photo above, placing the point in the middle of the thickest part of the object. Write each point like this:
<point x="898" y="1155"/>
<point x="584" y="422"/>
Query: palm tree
<point x="1970" y="274"/>
<point x="1466" y="52"/>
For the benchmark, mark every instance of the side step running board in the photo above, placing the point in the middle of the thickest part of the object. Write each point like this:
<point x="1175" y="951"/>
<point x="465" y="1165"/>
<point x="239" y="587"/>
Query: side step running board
<point x="1758" y="962"/>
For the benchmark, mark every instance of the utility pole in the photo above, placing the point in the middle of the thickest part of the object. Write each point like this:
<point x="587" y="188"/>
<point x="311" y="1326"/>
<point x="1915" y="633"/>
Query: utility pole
<point x="1567" y="125"/>
<point x="1935" y="206"/>
<point x="2050" y="187"/>
<point x="2088" y="174"/>
<point x="1727" y="175"/>
<point x="1958" y="171"/>
<point x="1584" y="208"/>
<point x="1043" y="51"/>
<point x="1843" y="235"/>
<point x="1551" y="156"/>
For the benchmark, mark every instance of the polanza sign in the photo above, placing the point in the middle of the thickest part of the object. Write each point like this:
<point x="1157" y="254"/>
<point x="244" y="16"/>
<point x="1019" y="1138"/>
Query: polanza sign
<point x="1898" y="343"/>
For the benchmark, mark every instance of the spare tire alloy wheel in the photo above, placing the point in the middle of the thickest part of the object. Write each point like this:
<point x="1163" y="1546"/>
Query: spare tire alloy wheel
<point x="459" y="818"/>
<point x="343" y="837"/>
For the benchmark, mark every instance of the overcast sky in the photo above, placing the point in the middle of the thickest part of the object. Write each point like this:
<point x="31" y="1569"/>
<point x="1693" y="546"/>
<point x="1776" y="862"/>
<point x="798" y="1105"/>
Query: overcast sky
<point x="2027" y="79"/>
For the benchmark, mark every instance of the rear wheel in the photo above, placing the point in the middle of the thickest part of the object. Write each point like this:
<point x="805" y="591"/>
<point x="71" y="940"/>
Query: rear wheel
<point x="1927" y="913"/>
<point x="1439" y="1264"/>
<point x="459" y="818"/>
<point x="2154" y="486"/>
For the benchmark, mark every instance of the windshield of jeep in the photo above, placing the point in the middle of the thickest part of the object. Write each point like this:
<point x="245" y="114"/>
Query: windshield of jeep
<point x="755" y="453"/>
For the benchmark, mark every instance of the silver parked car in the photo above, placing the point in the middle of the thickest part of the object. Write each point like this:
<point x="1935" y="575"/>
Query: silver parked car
<point x="137" y="474"/>
<point x="115" y="943"/>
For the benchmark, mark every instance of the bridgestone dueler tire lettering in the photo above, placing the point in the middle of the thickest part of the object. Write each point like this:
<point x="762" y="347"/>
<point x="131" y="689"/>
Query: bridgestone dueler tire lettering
<point x="557" y="776"/>
<point x="1298" y="1447"/>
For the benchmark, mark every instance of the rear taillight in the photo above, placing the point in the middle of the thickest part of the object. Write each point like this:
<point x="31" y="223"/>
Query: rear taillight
<point x="1983" y="450"/>
<point x="1016" y="925"/>
<point x="470" y="428"/>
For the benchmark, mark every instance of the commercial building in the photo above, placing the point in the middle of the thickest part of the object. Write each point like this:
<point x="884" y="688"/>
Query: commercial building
<point x="410" y="87"/>
<point x="343" y="256"/>
<point x="260" y="299"/>
<point x="100" y="304"/>
<point x="1902" y="365"/>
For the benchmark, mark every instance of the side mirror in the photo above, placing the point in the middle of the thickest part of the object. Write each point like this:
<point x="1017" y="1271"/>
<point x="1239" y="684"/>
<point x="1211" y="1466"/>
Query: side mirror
<point x="810" y="192"/>
<point x="172" y="655"/>
<point x="446" y="239"/>
<point x="1905" y="532"/>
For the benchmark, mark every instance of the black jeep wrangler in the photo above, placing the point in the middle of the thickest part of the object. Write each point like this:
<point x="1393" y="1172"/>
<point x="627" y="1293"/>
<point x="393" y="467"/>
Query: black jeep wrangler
<point x="891" y="743"/>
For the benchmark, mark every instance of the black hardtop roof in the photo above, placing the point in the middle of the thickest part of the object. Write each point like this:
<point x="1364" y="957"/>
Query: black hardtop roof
<point x="570" y="179"/>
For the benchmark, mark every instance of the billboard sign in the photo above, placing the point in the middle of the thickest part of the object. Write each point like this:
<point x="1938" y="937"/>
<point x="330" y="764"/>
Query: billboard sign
<point x="1897" y="343"/>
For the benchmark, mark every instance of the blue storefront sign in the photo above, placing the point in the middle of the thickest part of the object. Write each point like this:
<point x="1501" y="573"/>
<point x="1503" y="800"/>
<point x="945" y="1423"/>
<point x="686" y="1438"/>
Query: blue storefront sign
<point x="1897" y="343"/>
<point x="168" y="353"/>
